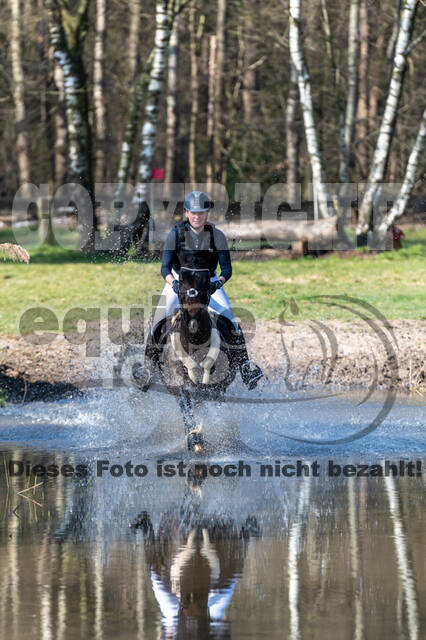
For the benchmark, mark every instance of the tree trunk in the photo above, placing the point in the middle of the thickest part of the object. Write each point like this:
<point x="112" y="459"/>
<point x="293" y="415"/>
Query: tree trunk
<point x="363" y="102"/>
<point x="67" y="35"/>
<point x="47" y="84"/>
<point x="376" y="84"/>
<point x="292" y="136"/>
<point x="399" y="206"/>
<point x="134" y="41"/>
<point x="172" y="107"/>
<point x="135" y="106"/>
<point x="384" y="140"/>
<point x="218" y="90"/>
<point x="304" y="83"/>
<point x="45" y="230"/>
<point x="250" y="71"/>
<point x="98" y="90"/>
<point x="211" y="111"/>
<point x="390" y="50"/>
<point x="18" y="92"/>
<point x="195" y="37"/>
<point x="155" y="88"/>
<point x="249" y="74"/>
<point x="60" y="146"/>
<point x="334" y="78"/>
<point x="352" y="96"/>
<point x="137" y="231"/>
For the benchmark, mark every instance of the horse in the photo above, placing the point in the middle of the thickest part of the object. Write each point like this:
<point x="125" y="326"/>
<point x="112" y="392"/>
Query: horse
<point x="196" y="360"/>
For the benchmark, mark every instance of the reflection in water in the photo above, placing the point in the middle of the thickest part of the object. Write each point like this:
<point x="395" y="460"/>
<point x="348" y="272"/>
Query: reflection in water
<point x="237" y="557"/>
<point x="405" y="573"/>
<point x="355" y="569"/>
<point x="293" y="551"/>
<point x="194" y="566"/>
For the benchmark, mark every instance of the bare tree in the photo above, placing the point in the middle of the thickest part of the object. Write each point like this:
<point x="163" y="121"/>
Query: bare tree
<point x="60" y="145"/>
<point x="363" y="100"/>
<point x="67" y="35"/>
<point x="304" y="83"/>
<point x="68" y="32"/>
<point x="98" y="89"/>
<point x="166" y="13"/>
<point x="250" y="68"/>
<point x="352" y="94"/>
<point x="334" y="78"/>
<point x="211" y="111"/>
<point x="18" y="92"/>
<point x="135" y="105"/>
<point x="390" y="50"/>
<point x="381" y="154"/>
<point x="154" y="90"/>
<point x="400" y="204"/>
<point x="292" y="134"/>
<point x="134" y="28"/>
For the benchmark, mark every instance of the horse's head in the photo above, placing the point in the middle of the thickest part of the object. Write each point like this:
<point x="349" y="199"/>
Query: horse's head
<point x="194" y="289"/>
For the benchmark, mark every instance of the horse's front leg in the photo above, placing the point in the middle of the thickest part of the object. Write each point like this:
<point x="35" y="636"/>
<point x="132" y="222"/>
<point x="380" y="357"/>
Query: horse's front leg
<point x="193" y="434"/>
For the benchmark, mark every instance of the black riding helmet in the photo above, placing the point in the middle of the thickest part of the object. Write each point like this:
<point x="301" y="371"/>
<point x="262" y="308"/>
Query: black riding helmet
<point x="197" y="202"/>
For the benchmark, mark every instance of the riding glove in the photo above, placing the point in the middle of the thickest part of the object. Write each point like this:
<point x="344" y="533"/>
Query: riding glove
<point x="214" y="286"/>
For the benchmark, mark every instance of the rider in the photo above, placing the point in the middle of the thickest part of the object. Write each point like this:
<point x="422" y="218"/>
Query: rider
<point x="200" y="245"/>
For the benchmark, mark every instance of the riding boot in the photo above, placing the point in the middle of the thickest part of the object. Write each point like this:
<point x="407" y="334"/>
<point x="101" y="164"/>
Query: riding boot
<point x="143" y="373"/>
<point x="250" y="371"/>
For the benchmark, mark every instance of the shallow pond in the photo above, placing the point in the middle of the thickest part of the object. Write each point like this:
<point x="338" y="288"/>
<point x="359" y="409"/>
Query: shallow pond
<point x="127" y="536"/>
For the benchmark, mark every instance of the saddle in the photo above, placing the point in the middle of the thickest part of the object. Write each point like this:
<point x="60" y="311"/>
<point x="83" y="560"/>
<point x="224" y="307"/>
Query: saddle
<point x="225" y="327"/>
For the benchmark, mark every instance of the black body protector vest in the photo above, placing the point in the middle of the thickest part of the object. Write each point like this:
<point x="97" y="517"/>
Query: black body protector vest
<point x="195" y="258"/>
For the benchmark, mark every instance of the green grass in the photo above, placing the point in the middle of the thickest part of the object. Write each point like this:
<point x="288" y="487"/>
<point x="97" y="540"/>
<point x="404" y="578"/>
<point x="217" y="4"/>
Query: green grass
<point x="59" y="279"/>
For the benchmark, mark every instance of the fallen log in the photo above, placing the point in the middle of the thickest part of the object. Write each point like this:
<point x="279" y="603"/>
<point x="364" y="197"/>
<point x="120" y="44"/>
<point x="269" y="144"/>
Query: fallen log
<point x="314" y="232"/>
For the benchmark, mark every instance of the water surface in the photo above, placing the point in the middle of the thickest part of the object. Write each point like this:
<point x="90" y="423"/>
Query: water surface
<point x="196" y="557"/>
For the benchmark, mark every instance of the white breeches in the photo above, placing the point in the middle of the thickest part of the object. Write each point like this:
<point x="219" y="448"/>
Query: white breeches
<point x="169" y="303"/>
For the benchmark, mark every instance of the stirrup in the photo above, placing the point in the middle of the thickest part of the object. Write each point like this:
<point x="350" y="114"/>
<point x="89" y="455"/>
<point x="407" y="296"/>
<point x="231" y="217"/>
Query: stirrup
<point x="251" y="376"/>
<point x="141" y="377"/>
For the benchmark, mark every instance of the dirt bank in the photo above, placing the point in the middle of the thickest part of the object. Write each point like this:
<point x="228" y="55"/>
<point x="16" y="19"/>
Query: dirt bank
<point x="305" y="355"/>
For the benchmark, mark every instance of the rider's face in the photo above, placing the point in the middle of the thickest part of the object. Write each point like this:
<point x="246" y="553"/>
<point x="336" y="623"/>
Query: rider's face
<point x="197" y="220"/>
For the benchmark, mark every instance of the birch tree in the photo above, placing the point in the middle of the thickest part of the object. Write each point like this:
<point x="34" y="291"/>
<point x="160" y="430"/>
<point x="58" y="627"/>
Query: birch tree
<point x="305" y="95"/>
<point x="352" y="94"/>
<point x="166" y="13"/>
<point x="98" y="90"/>
<point x="18" y="92"/>
<point x="67" y="35"/>
<point x="399" y="206"/>
<point x="154" y="91"/>
<point x="60" y="145"/>
<point x="133" y="115"/>
<point x="381" y="154"/>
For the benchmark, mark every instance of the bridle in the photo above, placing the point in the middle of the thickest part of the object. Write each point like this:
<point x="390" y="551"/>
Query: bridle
<point x="192" y="292"/>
